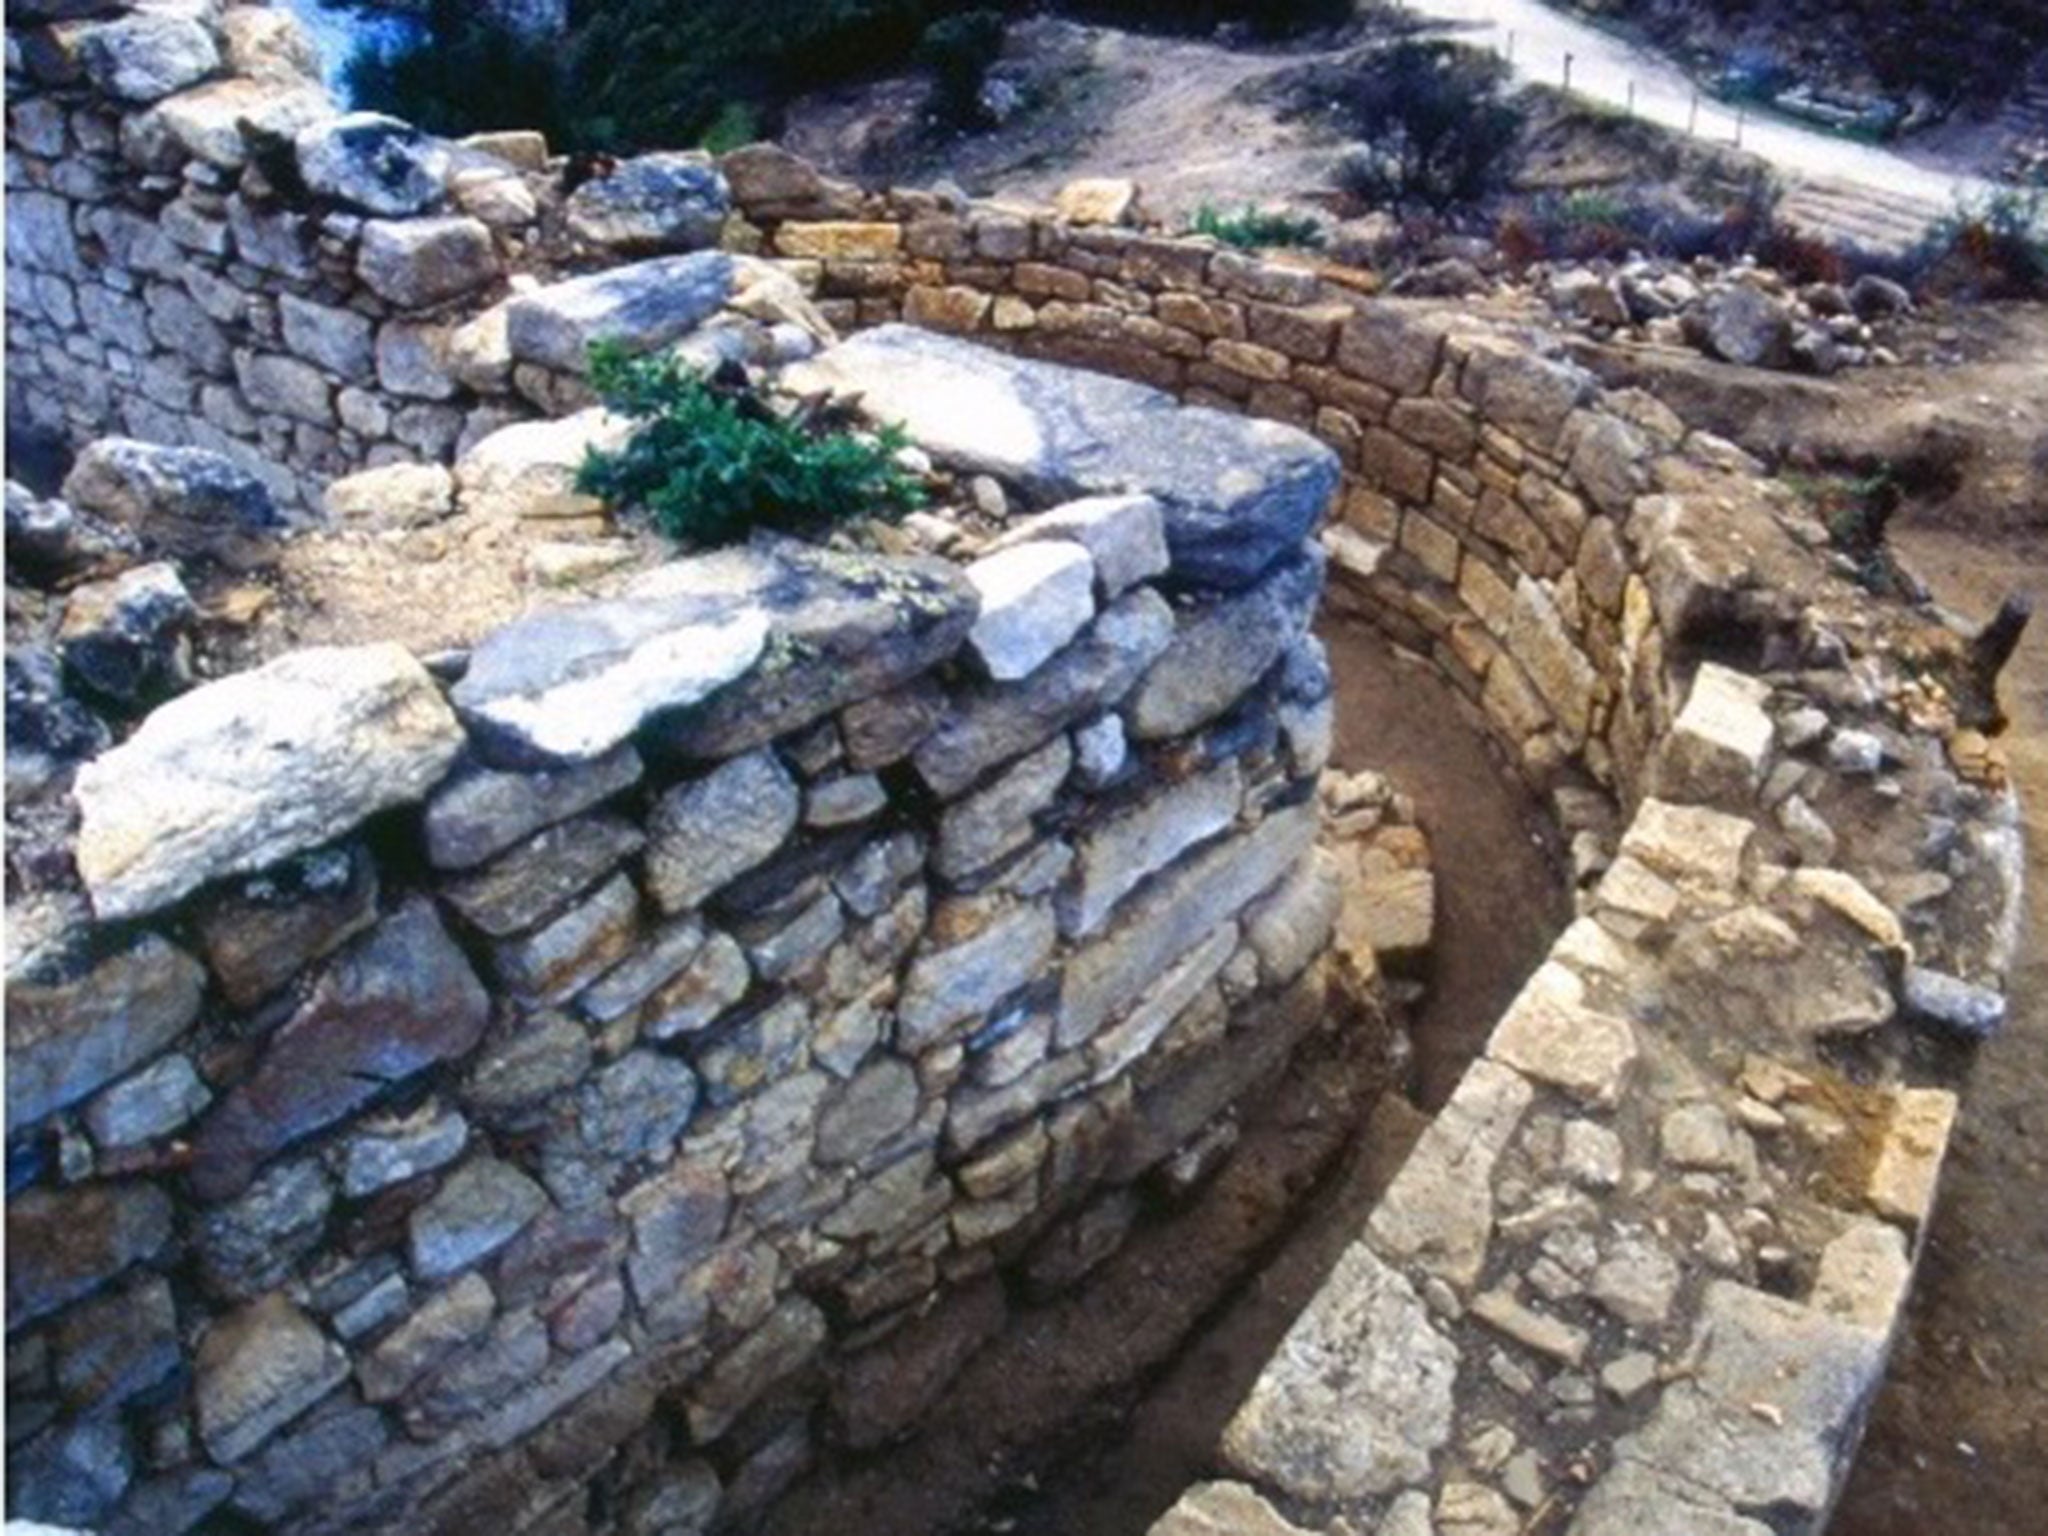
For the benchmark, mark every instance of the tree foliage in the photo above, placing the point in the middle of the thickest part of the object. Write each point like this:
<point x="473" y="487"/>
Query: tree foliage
<point x="1435" y="124"/>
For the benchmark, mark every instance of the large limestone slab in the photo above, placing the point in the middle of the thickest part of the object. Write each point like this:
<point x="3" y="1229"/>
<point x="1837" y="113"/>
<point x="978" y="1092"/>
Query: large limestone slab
<point x="247" y="771"/>
<point x="570" y="684"/>
<point x="1357" y="1398"/>
<point x="1721" y="741"/>
<point x="1238" y="494"/>
<point x="642" y="307"/>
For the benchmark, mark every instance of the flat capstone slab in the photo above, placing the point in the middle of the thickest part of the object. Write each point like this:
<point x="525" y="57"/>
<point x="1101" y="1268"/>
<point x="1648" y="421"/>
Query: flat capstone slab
<point x="1238" y="494"/>
<point x="642" y="307"/>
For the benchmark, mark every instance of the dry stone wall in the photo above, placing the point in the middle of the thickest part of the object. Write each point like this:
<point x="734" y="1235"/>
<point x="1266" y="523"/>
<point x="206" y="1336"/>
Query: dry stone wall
<point x="440" y="1088"/>
<point x="1643" y="1270"/>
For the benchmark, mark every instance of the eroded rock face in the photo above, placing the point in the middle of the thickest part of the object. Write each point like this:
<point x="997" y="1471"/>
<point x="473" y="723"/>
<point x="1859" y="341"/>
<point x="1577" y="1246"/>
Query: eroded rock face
<point x="247" y="771"/>
<point x="143" y="57"/>
<point x="1238" y="494"/>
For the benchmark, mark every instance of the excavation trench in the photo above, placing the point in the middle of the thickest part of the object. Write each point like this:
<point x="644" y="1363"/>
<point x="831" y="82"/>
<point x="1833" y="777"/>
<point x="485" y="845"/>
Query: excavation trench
<point x="1092" y="1412"/>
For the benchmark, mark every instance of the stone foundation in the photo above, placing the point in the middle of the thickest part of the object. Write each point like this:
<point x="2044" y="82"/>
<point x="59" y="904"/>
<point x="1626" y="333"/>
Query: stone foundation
<point x="1643" y="1271"/>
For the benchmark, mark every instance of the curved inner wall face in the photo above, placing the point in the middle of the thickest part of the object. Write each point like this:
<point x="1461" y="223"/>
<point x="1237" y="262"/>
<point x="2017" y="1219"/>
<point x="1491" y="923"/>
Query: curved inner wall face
<point x="540" y="1146"/>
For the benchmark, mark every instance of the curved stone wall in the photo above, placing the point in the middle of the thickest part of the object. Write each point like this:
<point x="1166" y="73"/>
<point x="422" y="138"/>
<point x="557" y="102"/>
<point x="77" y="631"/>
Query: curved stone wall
<point x="1644" y="1268"/>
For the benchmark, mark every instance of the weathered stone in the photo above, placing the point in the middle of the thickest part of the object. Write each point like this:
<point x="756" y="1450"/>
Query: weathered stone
<point x="395" y="1003"/>
<point x="642" y="308"/>
<point x="153" y="1103"/>
<point x="1546" y="1335"/>
<point x="1221" y="651"/>
<point x="1548" y="1034"/>
<point x="118" y="1346"/>
<point x="536" y="880"/>
<point x="716" y="979"/>
<point x="529" y="469"/>
<point x="125" y="640"/>
<point x="1097" y="200"/>
<point x="997" y="820"/>
<point x="389" y="1151"/>
<point x="709" y="831"/>
<point x="551" y="964"/>
<point x="634" y="1108"/>
<point x="1863" y="1276"/>
<point x="1124" y="535"/>
<point x="391" y="496"/>
<point x="1637" y="1280"/>
<point x="145" y="57"/>
<point x="325" y="1456"/>
<point x="1289" y="928"/>
<point x="73" y="1033"/>
<point x="339" y="340"/>
<point x="678" y="1216"/>
<point x="866" y="1113"/>
<point x="521" y="1071"/>
<point x="1718" y="746"/>
<point x="1964" y="1007"/>
<point x="1358" y="1397"/>
<point x="258" y="1369"/>
<point x="480" y="1208"/>
<point x="1689" y="844"/>
<point x="1237" y="494"/>
<point x="444" y="1322"/>
<point x="1909" y="1162"/>
<point x="1163" y="924"/>
<point x="573" y="683"/>
<point x="951" y="983"/>
<point x="63" y="1245"/>
<point x="245" y="772"/>
<point x="1700" y="1136"/>
<point x="1541" y="643"/>
<point x="251" y="1244"/>
<point x="659" y="202"/>
<point x="1119" y="854"/>
<point x="993" y="724"/>
<point x="844" y="627"/>
<point x="1034" y="599"/>
<point x="420" y="262"/>
<point x="376" y="164"/>
<point x="1709" y="1432"/>
<point x="480" y="812"/>
<point x="74" y="1473"/>
<point x="260" y="933"/>
<point x="1741" y="324"/>
<point x="1438" y="1212"/>
<point x="185" y="500"/>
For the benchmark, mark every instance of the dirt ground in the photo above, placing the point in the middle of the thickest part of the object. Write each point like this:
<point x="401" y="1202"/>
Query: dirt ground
<point x="1958" y="1445"/>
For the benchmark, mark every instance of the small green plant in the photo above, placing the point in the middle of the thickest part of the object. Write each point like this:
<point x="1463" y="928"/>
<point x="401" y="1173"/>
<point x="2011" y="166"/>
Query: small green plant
<point x="709" y="463"/>
<point x="1251" y="228"/>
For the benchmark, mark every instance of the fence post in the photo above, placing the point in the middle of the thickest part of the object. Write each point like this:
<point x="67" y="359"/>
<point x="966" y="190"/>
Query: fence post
<point x="1631" y="98"/>
<point x="1741" y="120"/>
<point x="1692" y="121"/>
<point x="1567" y="72"/>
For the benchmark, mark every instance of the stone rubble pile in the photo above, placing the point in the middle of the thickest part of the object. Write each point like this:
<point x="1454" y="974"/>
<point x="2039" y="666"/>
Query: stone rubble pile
<point x="1747" y="315"/>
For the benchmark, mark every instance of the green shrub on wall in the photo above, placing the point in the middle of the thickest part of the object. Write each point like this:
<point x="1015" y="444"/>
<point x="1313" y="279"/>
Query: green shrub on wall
<point x="709" y="463"/>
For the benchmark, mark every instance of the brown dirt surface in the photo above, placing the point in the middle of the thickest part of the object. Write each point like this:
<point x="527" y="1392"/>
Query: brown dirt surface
<point x="1958" y="1444"/>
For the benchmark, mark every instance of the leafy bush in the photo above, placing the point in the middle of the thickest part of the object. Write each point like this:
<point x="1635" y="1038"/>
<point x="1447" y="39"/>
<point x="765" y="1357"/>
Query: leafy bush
<point x="1263" y="18"/>
<point x="1994" y="248"/>
<point x="458" y="73"/>
<point x="1251" y="228"/>
<point x="1436" y="124"/>
<point x="959" y="51"/>
<point x="709" y="463"/>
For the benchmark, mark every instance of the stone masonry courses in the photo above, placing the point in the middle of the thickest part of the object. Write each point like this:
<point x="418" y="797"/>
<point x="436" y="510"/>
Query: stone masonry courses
<point x="356" y="1193"/>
